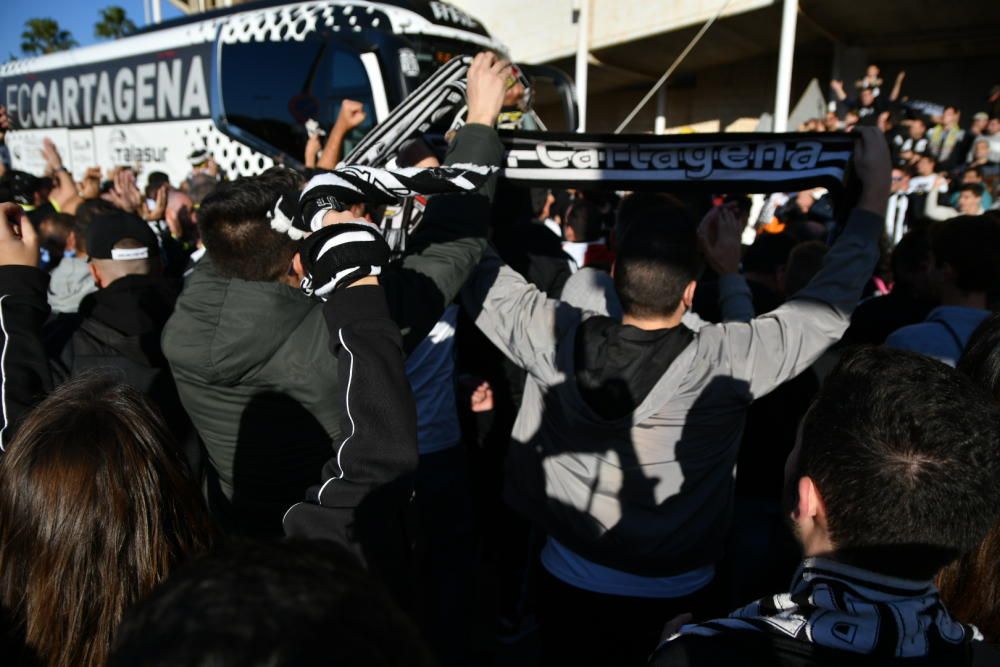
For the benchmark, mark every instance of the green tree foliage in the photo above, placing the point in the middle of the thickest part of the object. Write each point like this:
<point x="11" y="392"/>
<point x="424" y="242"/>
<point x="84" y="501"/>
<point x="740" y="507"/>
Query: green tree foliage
<point x="43" y="36"/>
<point x="114" y="23"/>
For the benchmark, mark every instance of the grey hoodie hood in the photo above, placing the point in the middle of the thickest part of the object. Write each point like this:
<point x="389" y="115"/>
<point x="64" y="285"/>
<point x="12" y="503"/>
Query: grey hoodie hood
<point x="69" y="283"/>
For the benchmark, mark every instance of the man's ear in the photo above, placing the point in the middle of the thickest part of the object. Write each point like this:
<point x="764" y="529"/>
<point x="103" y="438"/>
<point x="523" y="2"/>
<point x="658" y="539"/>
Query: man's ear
<point x="688" y="298"/>
<point x="71" y="241"/>
<point x="359" y="212"/>
<point x="569" y="234"/>
<point x="95" y="274"/>
<point x="810" y="519"/>
<point x="297" y="267"/>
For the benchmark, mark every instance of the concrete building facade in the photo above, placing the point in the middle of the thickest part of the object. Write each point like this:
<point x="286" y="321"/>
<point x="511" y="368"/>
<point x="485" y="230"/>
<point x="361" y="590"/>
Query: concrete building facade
<point x="950" y="55"/>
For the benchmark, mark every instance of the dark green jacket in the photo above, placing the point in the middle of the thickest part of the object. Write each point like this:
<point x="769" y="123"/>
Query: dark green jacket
<point x="253" y="365"/>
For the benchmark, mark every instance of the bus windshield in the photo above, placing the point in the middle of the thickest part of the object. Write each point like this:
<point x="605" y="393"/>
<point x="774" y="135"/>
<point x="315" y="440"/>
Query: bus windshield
<point x="270" y="89"/>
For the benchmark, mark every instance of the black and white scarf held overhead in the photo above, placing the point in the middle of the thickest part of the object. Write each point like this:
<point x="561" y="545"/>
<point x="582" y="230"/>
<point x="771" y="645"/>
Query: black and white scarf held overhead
<point x="338" y="190"/>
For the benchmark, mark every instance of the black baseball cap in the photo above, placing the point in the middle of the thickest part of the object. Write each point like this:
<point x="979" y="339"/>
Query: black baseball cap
<point x="107" y="229"/>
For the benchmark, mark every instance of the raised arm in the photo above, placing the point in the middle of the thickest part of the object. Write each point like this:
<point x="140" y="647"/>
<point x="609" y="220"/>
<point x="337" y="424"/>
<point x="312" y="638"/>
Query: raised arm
<point x="518" y="317"/>
<point x="452" y="236"/>
<point x="351" y="114"/>
<point x="367" y="480"/>
<point x="24" y="371"/>
<point x="934" y="210"/>
<point x="778" y="346"/>
<point x="897" y="87"/>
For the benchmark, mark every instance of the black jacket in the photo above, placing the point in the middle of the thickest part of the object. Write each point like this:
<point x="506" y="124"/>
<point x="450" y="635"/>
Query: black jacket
<point x="118" y="332"/>
<point x="361" y="498"/>
<point x="23" y="366"/>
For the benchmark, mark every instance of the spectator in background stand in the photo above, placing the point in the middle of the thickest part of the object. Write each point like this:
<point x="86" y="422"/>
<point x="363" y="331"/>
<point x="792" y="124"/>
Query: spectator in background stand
<point x="831" y="122"/>
<point x="908" y="149"/>
<point x="872" y="80"/>
<point x="947" y="139"/>
<point x="981" y="158"/>
<point x="993" y="132"/>
<point x="926" y="175"/>
<point x="964" y="267"/>
<point x="851" y="120"/>
<point x="899" y="216"/>
<point x="973" y="176"/>
<point x="980" y="121"/>
<point x="868" y="104"/>
<point x="970" y="200"/>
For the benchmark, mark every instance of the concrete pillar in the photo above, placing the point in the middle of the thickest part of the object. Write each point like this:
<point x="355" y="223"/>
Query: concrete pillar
<point x="582" y="15"/>
<point x="660" y="124"/>
<point x="786" y="54"/>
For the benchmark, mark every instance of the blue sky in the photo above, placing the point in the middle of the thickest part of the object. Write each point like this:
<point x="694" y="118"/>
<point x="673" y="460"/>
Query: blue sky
<point x="77" y="16"/>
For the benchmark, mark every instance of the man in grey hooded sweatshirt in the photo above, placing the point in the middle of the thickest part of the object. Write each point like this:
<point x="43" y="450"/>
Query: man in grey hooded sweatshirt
<point x="624" y="449"/>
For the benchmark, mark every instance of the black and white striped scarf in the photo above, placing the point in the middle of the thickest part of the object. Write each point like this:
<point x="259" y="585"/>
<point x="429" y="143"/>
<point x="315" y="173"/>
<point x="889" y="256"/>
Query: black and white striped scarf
<point x="846" y="608"/>
<point x="344" y="187"/>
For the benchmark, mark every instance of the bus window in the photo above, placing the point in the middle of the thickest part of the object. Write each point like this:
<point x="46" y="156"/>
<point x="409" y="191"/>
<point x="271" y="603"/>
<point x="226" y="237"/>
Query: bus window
<point x="270" y="89"/>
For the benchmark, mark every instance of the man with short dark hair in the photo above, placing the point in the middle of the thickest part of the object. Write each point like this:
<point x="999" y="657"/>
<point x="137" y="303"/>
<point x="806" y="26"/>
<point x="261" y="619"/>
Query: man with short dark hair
<point x="119" y="326"/>
<point x="964" y="267"/>
<point x="624" y="447"/>
<point x="583" y="234"/>
<point x="249" y="349"/>
<point x="893" y="477"/>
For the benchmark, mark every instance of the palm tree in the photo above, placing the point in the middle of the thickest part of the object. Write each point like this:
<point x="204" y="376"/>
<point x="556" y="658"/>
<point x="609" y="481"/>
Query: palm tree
<point x="42" y="36"/>
<point x="114" y="23"/>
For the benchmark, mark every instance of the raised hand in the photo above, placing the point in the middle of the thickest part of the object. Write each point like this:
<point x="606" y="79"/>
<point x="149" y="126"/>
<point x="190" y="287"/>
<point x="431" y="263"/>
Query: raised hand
<point x="18" y="239"/>
<point x="125" y="194"/>
<point x="719" y="238"/>
<point x="352" y="114"/>
<point x="873" y="166"/>
<point x="53" y="161"/>
<point x="487" y="85"/>
<point x="159" y="210"/>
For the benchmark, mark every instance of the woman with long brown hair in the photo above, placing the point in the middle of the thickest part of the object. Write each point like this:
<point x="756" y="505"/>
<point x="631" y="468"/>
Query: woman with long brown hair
<point x="95" y="503"/>
<point x="95" y="510"/>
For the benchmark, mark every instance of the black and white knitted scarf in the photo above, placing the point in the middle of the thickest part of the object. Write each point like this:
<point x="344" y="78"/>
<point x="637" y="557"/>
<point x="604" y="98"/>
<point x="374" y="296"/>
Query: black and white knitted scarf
<point x="344" y="187"/>
<point x="727" y="162"/>
<point x="846" y="608"/>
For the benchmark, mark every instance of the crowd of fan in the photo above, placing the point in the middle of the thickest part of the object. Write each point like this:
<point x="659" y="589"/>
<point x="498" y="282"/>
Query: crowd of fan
<point x="596" y="419"/>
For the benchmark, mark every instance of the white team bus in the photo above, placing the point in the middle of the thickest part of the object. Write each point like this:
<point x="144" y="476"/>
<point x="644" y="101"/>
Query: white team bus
<point x="239" y="82"/>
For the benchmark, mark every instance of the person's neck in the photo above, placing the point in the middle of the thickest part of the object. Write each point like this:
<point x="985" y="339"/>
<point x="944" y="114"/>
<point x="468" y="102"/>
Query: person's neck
<point x="953" y="296"/>
<point x="654" y="323"/>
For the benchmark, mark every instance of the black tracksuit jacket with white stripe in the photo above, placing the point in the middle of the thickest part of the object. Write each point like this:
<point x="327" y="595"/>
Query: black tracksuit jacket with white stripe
<point x="26" y="378"/>
<point x="362" y="501"/>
